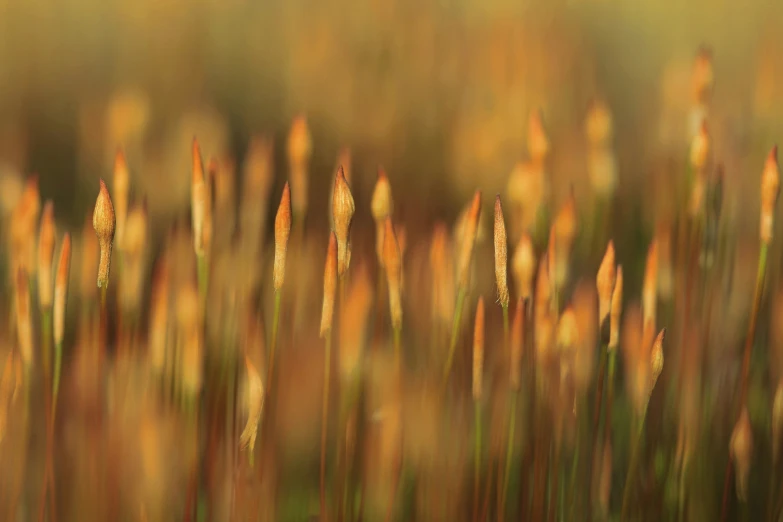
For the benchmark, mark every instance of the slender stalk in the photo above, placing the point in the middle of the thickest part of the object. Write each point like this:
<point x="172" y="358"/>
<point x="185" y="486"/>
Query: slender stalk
<point x="202" y="266"/>
<point x="758" y="292"/>
<point x="581" y="433"/>
<point x="397" y="346"/>
<point x="633" y="467"/>
<point x="509" y="454"/>
<point x="48" y="480"/>
<point x="476" y="458"/>
<point x="554" y="490"/>
<point x="454" y="335"/>
<point x="325" y="419"/>
<point x="760" y="276"/>
<point x="607" y="427"/>
<point x="597" y="415"/>
<point x="273" y="339"/>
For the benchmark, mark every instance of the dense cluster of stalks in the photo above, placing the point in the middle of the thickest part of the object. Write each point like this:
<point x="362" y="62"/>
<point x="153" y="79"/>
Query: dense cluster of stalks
<point x="192" y="397"/>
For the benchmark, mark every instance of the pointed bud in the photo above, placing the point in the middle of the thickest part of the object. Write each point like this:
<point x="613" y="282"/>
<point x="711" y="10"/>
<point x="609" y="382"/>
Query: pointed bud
<point x="103" y="223"/>
<point x="198" y="197"/>
<point x="382" y="204"/>
<point x="255" y="402"/>
<point x="46" y="238"/>
<point x="770" y="188"/>
<point x="342" y="209"/>
<point x="656" y="359"/>
<point x="61" y="289"/>
<point x="501" y="254"/>
<point x="741" y="448"/>
<point x="88" y="262"/>
<point x="120" y="187"/>
<point x="282" y="232"/>
<point x="524" y="266"/>
<point x="381" y="207"/>
<point x="467" y="241"/>
<point x="517" y="343"/>
<point x="392" y="263"/>
<point x="330" y="286"/>
<point x="478" y="351"/>
<point x="616" y="310"/>
<point x="604" y="283"/>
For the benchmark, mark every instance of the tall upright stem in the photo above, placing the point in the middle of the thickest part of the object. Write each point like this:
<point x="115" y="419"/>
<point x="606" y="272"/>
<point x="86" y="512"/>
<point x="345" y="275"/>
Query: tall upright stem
<point x="325" y="420"/>
<point x="454" y="335"/>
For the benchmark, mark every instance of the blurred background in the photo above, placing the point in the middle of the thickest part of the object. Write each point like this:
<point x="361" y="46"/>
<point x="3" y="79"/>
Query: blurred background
<point x="437" y="92"/>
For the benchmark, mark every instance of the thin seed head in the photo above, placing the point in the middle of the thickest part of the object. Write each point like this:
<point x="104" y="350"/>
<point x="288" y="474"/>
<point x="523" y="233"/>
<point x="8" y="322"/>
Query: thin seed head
<point x="770" y="188"/>
<point x="120" y="185"/>
<point x="61" y="288"/>
<point x="103" y="223"/>
<point x="198" y="197"/>
<point x="617" y="310"/>
<point x="467" y="241"/>
<point x="330" y="286"/>
<point x="381" y="207"/>
<point x="741" y="448"/>
<point x="478" y="350"/>
<point x="282" y="233"/>
<point x="89" y="260"/>
<point x="605" y="282"/>
<point x="46" y="240"/>
<point x="517" y="343"/>
<point x="382" y="204"/>
<point x="524" y="266"/>
<point x="255" y="401"/>
<point x="392" y="263"/>
<point x="342" y="209"/>
<point x="656" y="359"/>
<point x="24" y="328"/>
<point x="501" y="254"/>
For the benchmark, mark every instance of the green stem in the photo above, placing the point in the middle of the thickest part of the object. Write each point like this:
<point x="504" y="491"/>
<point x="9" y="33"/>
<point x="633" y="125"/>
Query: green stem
<point x="476" y="459"/>
<point x="454" y="335"/>
<point x="633" y="468"/>
<point x="324" y="420"/>
<point x="58" y="361"/>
